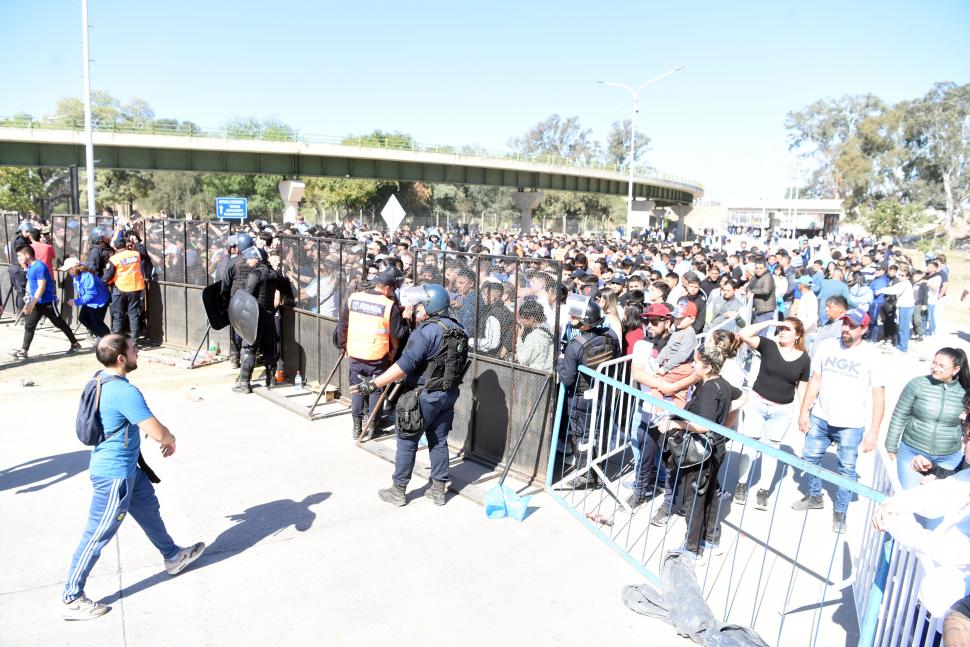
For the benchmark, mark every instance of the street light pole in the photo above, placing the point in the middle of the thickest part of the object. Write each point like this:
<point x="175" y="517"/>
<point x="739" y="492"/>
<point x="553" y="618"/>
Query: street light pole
<point x="635" y="96"/>
<point x="89" y="137"/>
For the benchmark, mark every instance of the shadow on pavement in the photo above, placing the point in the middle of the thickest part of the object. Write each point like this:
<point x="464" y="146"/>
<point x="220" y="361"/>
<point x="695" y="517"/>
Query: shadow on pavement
<point x="59" y="467"/>
<point x="251" y="526"/>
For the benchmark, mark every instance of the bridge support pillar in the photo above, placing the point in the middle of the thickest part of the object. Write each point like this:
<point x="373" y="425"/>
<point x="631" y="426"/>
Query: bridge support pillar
<point x="292" y="192"/>
<point x="526" y="202"/>
<point x="681" y="211"/>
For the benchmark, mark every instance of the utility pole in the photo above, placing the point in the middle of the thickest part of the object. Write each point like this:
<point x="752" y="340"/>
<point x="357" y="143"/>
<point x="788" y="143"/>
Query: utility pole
<point x="89" y="136"/>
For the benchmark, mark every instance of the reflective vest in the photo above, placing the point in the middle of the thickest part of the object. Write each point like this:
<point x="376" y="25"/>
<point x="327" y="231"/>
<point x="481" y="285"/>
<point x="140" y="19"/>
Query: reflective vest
<point x="368" y="326"/>
<point x="128" y="277"/>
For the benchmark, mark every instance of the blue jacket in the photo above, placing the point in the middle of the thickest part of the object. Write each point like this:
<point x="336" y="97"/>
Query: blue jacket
<point x="830" y="288"/>
<point x="90" y="291"/>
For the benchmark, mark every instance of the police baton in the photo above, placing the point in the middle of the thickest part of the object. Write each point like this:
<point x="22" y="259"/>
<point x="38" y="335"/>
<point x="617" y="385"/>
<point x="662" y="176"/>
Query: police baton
<point x="323" y="386"/>
<point x="365" y="435"/>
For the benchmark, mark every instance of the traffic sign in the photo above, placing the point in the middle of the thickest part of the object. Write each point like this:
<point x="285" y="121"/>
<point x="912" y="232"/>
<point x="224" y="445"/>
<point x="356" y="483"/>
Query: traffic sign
<point x="393" y="214"/>
<point x="232" y="208"/>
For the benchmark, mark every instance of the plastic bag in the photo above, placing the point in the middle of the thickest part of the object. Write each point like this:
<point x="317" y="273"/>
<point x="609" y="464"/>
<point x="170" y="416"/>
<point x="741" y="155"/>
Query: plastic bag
<point x="504" y="502"/>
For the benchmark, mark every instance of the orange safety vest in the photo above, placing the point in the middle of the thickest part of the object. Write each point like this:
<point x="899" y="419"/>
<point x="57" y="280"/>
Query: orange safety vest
<point x="368" y="326"/>
<point x="128" y="277"/>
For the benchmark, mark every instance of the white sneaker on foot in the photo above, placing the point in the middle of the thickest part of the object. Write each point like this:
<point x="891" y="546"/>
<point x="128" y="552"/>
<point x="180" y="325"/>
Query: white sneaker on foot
<point x="84" y="608"/>
<point x="185" y="557"/>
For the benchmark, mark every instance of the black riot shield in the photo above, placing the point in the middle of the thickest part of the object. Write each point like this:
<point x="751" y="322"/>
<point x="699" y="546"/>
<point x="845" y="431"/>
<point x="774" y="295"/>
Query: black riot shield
<point x="215" y="310"/>
<point x="244" y="316"/>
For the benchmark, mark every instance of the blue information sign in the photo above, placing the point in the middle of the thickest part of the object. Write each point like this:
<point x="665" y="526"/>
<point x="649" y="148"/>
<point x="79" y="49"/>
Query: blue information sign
<point x="232" y="208"/>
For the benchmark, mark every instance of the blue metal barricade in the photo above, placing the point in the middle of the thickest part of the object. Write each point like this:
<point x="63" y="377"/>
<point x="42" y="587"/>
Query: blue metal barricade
<point x="783" y="573"/>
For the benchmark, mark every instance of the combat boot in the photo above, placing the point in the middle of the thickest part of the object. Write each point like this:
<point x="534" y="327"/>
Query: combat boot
<point x="358" y="423"/>
<point x="242" y="387"/>
<point x="393" y="495"/>
<point x="436" y="492"/>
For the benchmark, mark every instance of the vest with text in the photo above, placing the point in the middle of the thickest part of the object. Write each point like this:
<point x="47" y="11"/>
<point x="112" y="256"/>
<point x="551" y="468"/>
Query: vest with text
<point x="128" y="276"/>
<point x="368" y="326"/>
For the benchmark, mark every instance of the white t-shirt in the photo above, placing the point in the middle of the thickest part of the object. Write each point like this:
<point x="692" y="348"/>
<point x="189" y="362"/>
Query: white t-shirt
<point x="848" y="377"/>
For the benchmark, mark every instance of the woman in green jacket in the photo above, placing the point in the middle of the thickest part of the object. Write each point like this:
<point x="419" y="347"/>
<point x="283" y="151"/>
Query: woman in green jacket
<point x="926" y="420"/>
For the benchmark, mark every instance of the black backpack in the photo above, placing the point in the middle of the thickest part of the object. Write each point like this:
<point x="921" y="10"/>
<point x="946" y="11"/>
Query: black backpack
<point x="90" y="430"/>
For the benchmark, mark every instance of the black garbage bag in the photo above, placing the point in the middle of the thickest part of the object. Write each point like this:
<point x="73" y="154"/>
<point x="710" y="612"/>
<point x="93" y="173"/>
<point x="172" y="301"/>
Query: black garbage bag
<point x="681" y="603"/>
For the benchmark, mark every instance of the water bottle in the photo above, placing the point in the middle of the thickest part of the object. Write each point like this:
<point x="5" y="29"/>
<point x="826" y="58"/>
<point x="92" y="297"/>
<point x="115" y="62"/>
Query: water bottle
<point x="298" y="381"/>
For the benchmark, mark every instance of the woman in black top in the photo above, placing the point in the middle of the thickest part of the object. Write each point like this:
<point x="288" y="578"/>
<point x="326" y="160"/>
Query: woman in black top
<point x="785" y="368"/>
<point x="697" y="484"/>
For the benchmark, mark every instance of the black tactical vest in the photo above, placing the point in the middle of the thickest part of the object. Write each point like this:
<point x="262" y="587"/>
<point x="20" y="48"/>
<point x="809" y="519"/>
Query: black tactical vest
<point x="240" y="272"/>
<point x="446" y="369"/>
<point x="595" y="348"/>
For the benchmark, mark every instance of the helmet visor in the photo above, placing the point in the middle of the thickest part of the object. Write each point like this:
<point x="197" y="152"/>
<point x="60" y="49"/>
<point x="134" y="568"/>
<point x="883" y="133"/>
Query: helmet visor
<point x="414" y="295"/>
<point x="576" y="305"/>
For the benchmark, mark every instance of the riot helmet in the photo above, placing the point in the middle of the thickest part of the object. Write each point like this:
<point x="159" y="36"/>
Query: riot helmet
<point x="243" y="242"/>
<point x="585" y="309"/>
<point x="433" y="296"/>
<point x="254" y="253"/>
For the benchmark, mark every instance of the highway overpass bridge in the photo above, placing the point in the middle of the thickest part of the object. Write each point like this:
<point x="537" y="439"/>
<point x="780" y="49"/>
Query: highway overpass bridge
<point x="148" y="150"/>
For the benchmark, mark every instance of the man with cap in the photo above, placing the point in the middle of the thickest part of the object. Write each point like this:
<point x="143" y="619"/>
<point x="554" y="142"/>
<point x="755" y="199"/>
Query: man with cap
<point x="123" y="272"/>
<point x="806" y="305"/>
<point x="432" y="366"/>
<point x="263" y="282"/>
<point x="618" y="283"/>
<point x="371" y="327"/>
<point x="845" y="375"/>
<point x="591" y="346"/>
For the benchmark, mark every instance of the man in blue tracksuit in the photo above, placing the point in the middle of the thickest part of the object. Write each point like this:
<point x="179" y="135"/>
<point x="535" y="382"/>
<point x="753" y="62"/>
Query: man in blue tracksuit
<point x="121" y="479"/>
<point x="433" y="361"/>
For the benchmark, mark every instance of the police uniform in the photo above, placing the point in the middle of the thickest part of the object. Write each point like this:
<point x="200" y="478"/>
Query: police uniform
<point x="368" y="323"/>
<point x="262" y="281"/>
<point x="99" y="255"/>
<point x="234" y="279"/>
<point x="123" y="273"/>
<point x="435" y="367"/>
<point x="588" y="348"/>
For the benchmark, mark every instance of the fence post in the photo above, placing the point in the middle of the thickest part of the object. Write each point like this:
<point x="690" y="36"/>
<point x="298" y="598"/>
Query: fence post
<point x="867" y="632"/>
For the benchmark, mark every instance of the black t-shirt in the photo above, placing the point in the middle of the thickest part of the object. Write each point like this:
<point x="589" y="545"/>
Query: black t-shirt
<point x="778" y="377"/>
<point x="712" y="401"/>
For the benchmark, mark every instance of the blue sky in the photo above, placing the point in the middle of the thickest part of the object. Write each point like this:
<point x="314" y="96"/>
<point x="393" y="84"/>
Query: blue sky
<point x="457" y="73"/>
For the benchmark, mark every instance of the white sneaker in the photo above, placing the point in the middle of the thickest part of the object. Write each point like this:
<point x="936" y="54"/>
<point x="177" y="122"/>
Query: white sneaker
<point x="185" y="557"/>
<point x="84" y="608"/>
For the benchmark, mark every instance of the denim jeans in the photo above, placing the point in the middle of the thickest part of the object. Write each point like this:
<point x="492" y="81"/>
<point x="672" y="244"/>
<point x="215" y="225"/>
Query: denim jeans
<point x="930" y="320"/>
<point x="769" y="422"/>
<point x="820" y="435"/>
<point x="649" y="476"/>
<point x="438" y="412"/>
<point x="908" y="478"/>
<point x="905" y="327"/>
<point x="113" y="499"/>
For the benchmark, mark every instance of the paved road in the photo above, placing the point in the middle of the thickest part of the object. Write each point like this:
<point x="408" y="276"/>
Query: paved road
<point x="301" y="550"/>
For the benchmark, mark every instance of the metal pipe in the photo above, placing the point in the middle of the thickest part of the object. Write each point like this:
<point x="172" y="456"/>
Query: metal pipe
<point x="88" y="134"/>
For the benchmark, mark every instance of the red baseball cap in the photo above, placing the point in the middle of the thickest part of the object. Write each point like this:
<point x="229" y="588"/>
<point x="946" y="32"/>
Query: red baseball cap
<point x="656" y="311"/>
<point x="685" y="309"/>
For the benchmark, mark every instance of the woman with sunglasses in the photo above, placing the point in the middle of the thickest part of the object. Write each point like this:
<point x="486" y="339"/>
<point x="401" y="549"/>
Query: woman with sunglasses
<point x="785" y="368"/>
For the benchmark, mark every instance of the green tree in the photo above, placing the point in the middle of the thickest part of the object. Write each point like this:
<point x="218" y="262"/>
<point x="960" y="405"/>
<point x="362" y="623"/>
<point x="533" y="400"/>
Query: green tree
<point x="937" y="133"/>
<point x="617" y="149"/>
<point x="381" y="139"/>
<point x="891" y="217"/>
<point x="557" y="137"/>
<point x="820" y="133"/>
<point x="19" y="189"/>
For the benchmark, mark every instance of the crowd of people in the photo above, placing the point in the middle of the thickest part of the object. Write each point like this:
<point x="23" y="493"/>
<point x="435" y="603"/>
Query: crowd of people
<point x="766" y="335"/>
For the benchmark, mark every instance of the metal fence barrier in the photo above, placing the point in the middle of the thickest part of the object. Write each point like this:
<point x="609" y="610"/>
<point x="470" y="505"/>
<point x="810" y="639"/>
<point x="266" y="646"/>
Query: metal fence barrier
<point x="783" y="573"/>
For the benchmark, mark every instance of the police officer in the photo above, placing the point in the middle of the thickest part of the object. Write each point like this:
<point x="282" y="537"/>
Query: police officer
<point x="233" y="280"/>
<point x="18" y="276"/>
<point x="123" y="273"/>
<point x="99" y="251"/>
<point x="263" y="282"/>
<point x="370" y="329"/>
<point x="432" y="365"/>
<point x="593" y="345"/>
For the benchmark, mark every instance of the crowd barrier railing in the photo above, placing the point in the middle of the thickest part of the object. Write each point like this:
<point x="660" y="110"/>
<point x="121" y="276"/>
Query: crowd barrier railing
<point x="783" y="573"/>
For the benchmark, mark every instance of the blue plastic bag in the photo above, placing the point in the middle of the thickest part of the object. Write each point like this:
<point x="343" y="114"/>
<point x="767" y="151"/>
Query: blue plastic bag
<point x="502" y="502"/>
